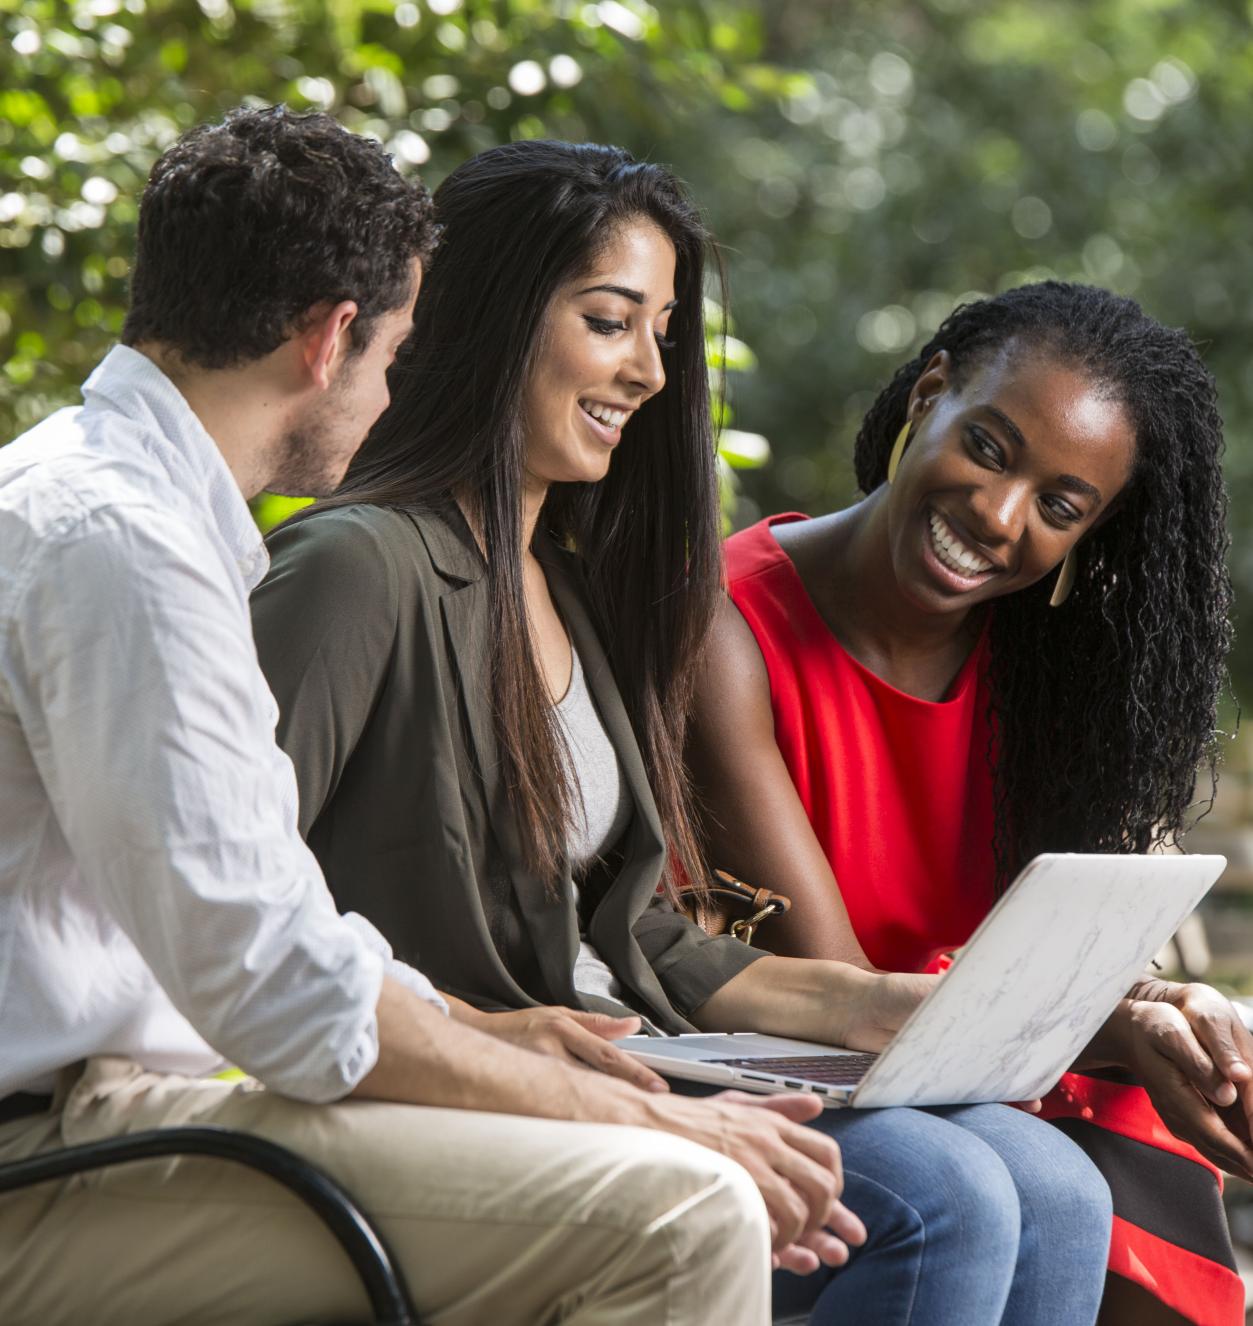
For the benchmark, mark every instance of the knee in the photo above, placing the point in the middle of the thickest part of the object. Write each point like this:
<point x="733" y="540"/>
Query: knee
<point x="979" y="1191"/>
<point x="699" y="1204"/>
<point x="1066" y="1191"/>
<point x="941" y="1184"/>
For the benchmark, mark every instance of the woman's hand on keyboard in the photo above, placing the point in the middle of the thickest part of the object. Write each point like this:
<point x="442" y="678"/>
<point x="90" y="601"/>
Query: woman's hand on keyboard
<point x="571" y="1035"/>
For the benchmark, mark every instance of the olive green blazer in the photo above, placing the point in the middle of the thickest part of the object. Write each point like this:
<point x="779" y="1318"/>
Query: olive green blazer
<point x="372" y="627"/>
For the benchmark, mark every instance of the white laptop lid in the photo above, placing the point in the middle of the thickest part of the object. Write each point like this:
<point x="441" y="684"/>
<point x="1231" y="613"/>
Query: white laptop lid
<point x="1038" y="978"/>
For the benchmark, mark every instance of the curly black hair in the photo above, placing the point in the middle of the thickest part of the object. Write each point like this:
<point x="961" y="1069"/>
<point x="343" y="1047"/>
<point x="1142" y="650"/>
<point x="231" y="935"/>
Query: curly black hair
<point x="1103" y="710"/>
<point x="245" y="225"/>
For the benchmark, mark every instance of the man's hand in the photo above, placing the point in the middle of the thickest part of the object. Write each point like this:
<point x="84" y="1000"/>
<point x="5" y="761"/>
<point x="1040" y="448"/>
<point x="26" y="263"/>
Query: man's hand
<point x="796" y="1169"/>
<point x="571" y="1035"/>
<point x="1192" y="1053"/>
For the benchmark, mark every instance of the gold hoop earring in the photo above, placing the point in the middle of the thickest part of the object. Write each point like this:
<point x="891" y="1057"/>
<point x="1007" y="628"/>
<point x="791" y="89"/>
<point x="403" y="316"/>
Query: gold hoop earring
<point x="1065" y="580"/>
<point x="898" y="450"/>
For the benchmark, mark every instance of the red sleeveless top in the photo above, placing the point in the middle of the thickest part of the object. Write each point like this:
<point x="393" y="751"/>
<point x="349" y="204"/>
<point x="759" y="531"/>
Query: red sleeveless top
<point x="898" y="789"/>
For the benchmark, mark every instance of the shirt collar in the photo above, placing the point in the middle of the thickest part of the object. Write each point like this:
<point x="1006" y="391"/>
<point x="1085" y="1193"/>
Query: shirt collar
<point x="135" y="386"/>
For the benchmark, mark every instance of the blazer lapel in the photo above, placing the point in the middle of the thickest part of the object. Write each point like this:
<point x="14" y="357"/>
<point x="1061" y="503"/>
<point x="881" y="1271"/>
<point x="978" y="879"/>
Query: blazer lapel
<point x="467" y="628"/>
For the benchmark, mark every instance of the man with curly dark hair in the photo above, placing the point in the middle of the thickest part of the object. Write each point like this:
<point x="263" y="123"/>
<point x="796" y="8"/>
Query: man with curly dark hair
<point x="160" y="916"/>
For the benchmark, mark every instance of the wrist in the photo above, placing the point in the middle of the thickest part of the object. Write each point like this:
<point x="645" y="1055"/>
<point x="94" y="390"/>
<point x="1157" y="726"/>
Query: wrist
<point x="466" y="1014"/>
<point x="854" y="996"/>
<point x="1155" y="990"/>
<point x="1111" y="1046"/>
<point x="598" y="1098"/>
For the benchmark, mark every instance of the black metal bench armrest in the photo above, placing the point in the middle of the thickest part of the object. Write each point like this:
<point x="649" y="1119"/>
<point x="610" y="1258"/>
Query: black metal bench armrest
<point x="381" y="1277"/>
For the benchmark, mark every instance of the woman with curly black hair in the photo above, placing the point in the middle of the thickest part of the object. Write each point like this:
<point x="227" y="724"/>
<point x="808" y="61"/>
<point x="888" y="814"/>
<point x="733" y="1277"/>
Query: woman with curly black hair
<point x="1014" y="643"/>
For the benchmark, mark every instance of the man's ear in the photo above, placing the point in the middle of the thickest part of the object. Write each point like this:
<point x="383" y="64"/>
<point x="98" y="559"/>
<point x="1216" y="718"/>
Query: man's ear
<point x="325" y="341"/>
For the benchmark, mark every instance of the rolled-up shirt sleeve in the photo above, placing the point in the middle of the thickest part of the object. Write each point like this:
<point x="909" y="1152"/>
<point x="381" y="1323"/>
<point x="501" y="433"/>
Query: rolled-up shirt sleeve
<point x="400" y="972"/>
<point x="137" y="683"/>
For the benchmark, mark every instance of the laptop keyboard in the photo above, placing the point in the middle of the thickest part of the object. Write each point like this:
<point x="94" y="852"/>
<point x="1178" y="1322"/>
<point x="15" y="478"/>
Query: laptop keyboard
<point x="839" y="1070"/>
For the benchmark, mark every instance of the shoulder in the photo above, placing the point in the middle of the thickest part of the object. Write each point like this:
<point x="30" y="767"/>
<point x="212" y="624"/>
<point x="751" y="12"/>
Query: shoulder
<point x="354" y="533"/>
<point x="756" y="551"/>
<point x="89" y="527"/>
<point x="358" y="553"/>
<point x="77" y="464"/>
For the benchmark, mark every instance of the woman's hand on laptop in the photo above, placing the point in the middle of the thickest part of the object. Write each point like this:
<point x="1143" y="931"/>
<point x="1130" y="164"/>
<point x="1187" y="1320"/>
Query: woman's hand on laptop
<point x="880" y="1007"/>
<point x="569" y="1034"/>
<point x="813" y="999"/>
<point x="797" y="1169"/>
<point x="1192" y="1053"/>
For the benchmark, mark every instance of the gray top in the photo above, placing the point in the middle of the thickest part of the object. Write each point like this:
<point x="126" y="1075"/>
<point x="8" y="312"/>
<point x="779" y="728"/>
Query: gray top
<point x="597" y="774"/>
<point x="602" y="811"/>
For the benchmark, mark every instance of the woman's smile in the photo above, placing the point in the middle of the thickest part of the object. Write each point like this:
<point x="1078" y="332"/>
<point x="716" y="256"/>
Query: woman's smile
<point x="958" y="566"/>
<point x="606" y="421"/>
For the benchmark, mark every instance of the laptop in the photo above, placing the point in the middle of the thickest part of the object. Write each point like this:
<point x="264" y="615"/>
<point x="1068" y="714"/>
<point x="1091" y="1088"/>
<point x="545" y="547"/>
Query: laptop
<point x="1037" y="979"/>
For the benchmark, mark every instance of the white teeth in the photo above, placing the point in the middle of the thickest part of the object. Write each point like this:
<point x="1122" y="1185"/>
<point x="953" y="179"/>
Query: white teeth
<point x="610" y="418"/>
<point x="954" y="554"/>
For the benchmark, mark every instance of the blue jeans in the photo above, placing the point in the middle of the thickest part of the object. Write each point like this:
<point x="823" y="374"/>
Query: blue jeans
<point x="975" y="1215"/>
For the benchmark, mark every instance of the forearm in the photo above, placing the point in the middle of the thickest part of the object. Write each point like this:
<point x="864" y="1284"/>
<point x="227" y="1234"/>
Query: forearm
<point x="808" y="998"/>
<point x="426" y="1058"/>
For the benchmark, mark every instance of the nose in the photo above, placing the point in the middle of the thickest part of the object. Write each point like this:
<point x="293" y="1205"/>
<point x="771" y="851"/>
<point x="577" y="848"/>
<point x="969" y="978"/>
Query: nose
<point x="643" y="368"/>
<point x="999" y="512"/>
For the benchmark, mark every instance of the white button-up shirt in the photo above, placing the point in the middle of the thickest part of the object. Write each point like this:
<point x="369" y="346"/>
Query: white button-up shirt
<point x="156" y="900"/>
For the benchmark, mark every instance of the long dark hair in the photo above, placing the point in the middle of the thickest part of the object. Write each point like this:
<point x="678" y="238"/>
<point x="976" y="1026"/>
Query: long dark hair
<point x="1103" y="710"/>
<point x="518" y="222"/>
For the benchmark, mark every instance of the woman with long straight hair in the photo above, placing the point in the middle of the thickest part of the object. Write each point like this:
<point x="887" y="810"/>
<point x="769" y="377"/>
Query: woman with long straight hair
<point x="482" y="649"/>
<point x="1014" y="643"/>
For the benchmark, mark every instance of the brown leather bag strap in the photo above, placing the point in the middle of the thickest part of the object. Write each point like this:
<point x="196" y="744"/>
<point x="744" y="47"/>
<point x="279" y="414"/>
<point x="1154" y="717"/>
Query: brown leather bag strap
<point x="726" y="885"/>
<point x="728" y="905"/>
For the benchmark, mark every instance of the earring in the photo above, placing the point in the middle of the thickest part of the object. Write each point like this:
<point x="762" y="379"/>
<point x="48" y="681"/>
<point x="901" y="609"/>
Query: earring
<point x="1065" y="580"/>
<point x="898" y="450"/>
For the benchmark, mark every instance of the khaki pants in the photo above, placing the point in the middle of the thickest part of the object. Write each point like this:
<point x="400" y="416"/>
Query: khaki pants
<point x="496" y="1220"/>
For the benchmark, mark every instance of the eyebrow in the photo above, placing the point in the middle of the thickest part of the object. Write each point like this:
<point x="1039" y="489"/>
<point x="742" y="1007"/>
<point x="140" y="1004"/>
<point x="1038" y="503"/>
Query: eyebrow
<point x="1071" y="482"/>
<point x="635" y="296"/>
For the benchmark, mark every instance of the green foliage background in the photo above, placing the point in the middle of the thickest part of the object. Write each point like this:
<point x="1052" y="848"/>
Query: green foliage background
<point x="866" y="165"/>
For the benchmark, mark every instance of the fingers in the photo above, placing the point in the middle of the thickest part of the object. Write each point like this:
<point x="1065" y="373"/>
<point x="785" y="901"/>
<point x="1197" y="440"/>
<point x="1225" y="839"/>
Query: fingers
<point x="796" y="1168"/>
<point x="811" y="1166"/>
<point x="589" y="1048"/>
<point x="846" y="1224"/>
<point x="1219" y="1029"/>
<point x="798" y="1260"/>
<point x="1028" y="1106"/>
<point x="604" y="1024"/>
<point x="1189" y="1116"/>
<point x="1168" y="1033"/>
<point x="1245" y="1103"/>
<point x="798" y="1106"/>
<point x="824" y="1247"/>
<point x="788" y="1213"/>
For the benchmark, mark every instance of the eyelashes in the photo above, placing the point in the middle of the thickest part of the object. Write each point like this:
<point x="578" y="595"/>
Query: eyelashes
<point x="608" y="326"/>
<point x="985" y="447"/>
<point x="989" y="453"/>
<point x="603" y="326"/>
